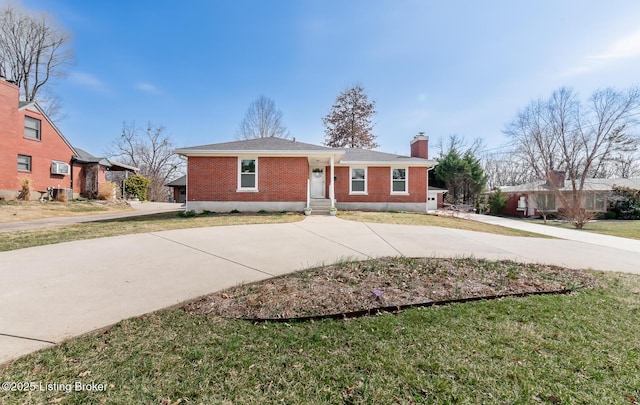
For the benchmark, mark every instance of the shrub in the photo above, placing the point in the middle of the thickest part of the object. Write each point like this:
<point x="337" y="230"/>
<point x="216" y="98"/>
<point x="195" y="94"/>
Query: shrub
<point x="187" y="214"/>
<point x="497" y="202"/>
<point x="234" y="211"/>
<point x="25" y="189"/>
<point x="107" y="191"/>
<point x="625" y="202"/>
<point x="137" y="186"/>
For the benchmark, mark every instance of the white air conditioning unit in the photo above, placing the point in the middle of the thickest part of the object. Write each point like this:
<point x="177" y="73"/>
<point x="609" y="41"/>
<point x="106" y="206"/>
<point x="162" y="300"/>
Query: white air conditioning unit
<point x="58" y="167"/>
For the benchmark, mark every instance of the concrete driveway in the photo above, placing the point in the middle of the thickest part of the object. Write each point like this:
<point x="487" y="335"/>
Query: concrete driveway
<point x="51" y="293"/>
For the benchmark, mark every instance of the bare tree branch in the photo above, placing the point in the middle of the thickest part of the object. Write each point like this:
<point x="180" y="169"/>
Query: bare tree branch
<point x="348" y="124"/>
<point x="151" y="150"/>
<point x="262" y="120"/>
<point x="33" y="49"/>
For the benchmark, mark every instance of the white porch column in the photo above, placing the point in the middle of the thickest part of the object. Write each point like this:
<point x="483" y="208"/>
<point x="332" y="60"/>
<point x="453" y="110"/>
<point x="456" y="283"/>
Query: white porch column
<point x="332" y="194"/>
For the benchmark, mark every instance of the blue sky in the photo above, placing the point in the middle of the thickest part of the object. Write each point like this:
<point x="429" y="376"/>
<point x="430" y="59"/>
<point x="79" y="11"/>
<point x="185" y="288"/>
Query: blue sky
<point x="455" y="67"/>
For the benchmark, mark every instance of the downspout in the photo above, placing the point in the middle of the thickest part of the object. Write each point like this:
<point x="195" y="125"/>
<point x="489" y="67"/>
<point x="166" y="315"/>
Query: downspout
<point x="71" y="179"/>
<point x="332" y="193"/>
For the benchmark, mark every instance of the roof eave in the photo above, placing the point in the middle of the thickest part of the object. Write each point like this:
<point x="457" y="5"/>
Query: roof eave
<point x="426" y="163"/>
<point x="209" y="152"/>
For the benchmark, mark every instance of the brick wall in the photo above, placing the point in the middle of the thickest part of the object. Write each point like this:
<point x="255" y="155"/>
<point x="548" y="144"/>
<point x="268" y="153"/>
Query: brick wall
<point x="512" y="205"/>
<point x="216" y="179"/>
<point x="12" y="143"/>
<point x="379" y="185"/>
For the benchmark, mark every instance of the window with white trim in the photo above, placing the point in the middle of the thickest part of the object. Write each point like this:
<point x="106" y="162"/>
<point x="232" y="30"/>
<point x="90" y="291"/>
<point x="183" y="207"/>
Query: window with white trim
<point x="595" y="202"/>
<point x="248" y="174"/>
<point x="546" y="202"/>
<point x="399" y="181"/>
<point x="358" y="183"/>
<point x="24" y="163"/>
<point x="31" y="128"/>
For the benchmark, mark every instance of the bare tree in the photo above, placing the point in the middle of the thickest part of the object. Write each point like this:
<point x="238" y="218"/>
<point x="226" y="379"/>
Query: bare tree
<point x="34" y="49"/>
<point x="564" y="134"/>
<point x="151" y="150"/>
<point x="505" y="169"/>
<point x="348" y="124"/>
<point x="262" y="120"/>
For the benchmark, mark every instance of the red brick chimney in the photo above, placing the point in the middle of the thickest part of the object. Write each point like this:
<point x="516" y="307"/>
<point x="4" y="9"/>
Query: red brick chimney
<point x="420" y="146"/>
<point x="9" y="97"/>
<point x="556" y="178"/>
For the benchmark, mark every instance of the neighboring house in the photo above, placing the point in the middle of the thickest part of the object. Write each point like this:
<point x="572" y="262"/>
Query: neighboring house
<point x="530" y="199"/>
<point x="179" y="189"/>
<point x="32" y="147"/>
<point x="275" y="174"/>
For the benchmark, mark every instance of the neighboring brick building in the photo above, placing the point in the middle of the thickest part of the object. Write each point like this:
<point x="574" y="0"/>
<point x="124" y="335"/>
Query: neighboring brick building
<point x="32" y="147"/>
<point x="275" y="174"/>
<point x="530" y="199"/>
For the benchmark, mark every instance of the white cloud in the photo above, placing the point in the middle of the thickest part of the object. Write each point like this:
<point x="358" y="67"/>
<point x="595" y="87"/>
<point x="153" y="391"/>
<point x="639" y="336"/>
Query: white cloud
<point x="88" y="80"/>
<point x="625" y="47"/>
<point x="148" y="88"/>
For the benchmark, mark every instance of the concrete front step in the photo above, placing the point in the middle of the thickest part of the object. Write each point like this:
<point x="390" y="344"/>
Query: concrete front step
<point x="320" y="206"/>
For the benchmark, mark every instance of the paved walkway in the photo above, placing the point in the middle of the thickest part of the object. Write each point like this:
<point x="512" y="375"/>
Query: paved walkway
<point x="55" y="292"/>
<point x="146" y="208"/>
<point x="632" y="245"/>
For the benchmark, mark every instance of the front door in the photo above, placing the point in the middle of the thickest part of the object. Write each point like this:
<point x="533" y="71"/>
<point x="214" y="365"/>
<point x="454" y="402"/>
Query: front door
<point x="317" y="182"/>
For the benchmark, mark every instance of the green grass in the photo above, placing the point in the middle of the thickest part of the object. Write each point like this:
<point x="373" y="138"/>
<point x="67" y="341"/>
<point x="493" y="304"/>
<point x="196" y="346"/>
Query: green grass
<point x="407" y="218"/>
<point x="624" y="229"/>
<point x="570" y="349"/>
<point x="138" y="224"/>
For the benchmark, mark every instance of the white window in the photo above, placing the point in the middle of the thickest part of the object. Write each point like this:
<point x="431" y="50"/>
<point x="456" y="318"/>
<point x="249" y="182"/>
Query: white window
<point x="247" y="174"/>
<point x="24" y="163"/>
<point x="358" y="183"/>
<point x="546" y="202"/>
<point x="399" y="181"/>
<point x="58" y="167"/>
<point x="595" y="202"/>
<point x="31" y="128"/>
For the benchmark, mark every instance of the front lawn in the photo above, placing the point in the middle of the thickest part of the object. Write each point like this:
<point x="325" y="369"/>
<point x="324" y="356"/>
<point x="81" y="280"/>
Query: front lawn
<point x="409" y="218"/>
<point x="138" y="224"/>
<point x="624" y="229"/>
<point x="579" y="348"/>
<point x="11" y="211"/>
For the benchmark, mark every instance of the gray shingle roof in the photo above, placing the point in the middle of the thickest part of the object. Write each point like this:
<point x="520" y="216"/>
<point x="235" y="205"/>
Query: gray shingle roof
<point x="180" y="181"/>
<point x="274" y="145"/>
<point x="83" y="156"/>
<point x="368" y="155"/>
<point x="261" y="144"/>
<point x="589" y="185"/>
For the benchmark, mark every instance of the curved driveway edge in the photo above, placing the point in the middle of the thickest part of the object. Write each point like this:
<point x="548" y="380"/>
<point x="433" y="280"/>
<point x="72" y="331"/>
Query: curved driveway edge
<point x="54" y="292"/>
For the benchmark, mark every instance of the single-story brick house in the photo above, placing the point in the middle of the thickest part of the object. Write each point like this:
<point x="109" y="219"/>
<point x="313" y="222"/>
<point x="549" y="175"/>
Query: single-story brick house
<point x="525" y="200"/>
<point x="32" y="147"/>
<point x="275" y="174"/>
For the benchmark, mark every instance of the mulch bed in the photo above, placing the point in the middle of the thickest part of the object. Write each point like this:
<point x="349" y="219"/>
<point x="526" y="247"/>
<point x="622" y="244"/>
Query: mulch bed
<point x="363" y="287"/>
